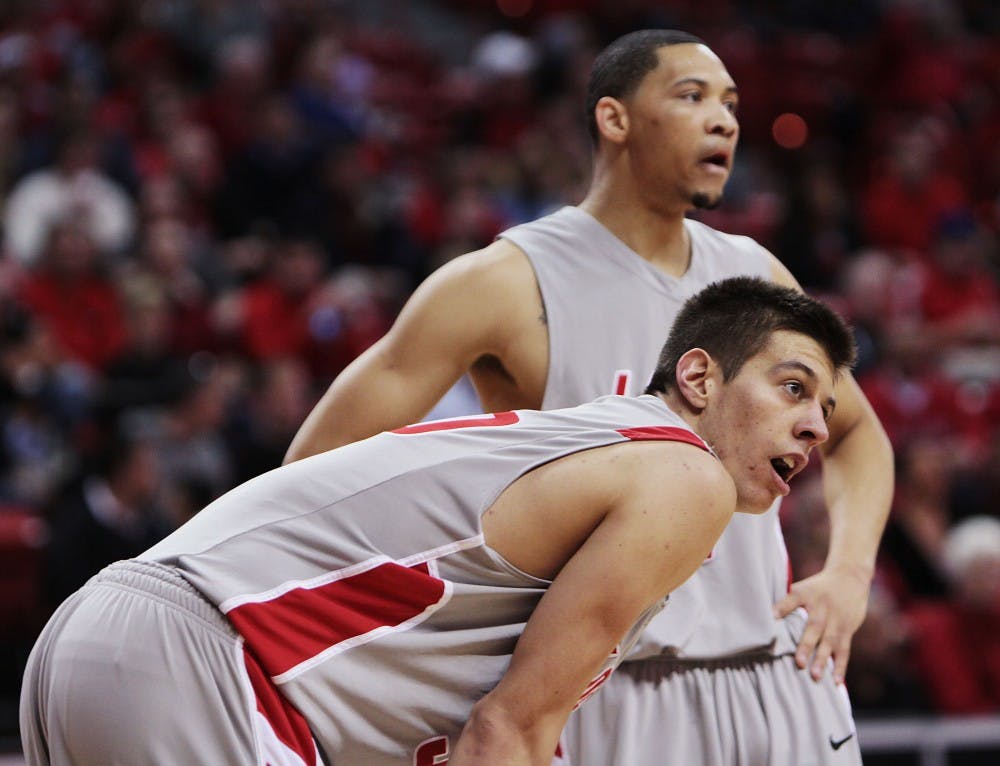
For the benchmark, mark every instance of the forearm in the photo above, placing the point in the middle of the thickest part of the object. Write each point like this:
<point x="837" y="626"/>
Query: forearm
<point x="324" y="429"/>
<point x="858" y="481"/>
<point x="349" y="412"/>
<point x="369" y="397"/>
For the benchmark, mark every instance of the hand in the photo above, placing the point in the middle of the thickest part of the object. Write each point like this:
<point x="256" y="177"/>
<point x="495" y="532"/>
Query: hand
<point x="836" y="600"/>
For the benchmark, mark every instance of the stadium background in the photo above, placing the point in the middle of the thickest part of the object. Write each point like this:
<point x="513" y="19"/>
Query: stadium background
<point x="209" y="207"/>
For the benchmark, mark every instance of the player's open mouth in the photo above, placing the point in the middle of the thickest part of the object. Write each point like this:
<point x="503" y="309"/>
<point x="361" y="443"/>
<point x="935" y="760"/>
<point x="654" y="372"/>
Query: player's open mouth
<point x="716" y="163"/>
<point x="783" y="466"/>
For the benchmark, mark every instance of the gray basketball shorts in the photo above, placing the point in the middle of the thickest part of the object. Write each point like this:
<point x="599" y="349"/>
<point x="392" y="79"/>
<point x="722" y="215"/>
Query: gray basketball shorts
<point x="137" y="669"/>
<point x="752" y="711"/>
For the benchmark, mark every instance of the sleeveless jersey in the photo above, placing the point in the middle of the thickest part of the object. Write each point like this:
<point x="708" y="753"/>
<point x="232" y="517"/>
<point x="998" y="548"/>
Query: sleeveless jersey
<point x="360" y="581"/>
<point x="609" y="312"/>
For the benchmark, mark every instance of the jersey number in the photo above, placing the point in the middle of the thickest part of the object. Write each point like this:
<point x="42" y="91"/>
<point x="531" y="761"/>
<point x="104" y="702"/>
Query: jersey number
<point x="622" y="382"/>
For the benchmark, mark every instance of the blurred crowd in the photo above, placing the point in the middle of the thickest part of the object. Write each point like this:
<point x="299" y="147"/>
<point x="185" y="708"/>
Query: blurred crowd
<point x="209" y="207"/>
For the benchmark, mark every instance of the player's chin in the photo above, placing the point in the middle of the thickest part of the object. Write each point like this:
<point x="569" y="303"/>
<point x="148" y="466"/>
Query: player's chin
<point x="706" y="199"/>
<point x="756" y="502"/>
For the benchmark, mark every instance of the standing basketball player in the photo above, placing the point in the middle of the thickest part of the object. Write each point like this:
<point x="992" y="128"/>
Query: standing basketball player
<point x="458" y="584"/>
<point x="566" y="308"/>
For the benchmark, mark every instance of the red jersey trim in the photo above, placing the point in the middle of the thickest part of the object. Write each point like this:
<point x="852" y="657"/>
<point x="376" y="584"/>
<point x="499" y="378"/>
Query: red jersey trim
<point x="287" y="723"/>
<point x="663" y="433"/>
<point x="303" y="626"/>
<point x="477" y="421"/>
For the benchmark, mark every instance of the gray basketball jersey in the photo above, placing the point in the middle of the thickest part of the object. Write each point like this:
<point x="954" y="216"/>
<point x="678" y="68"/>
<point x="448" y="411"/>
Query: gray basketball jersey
<point x="609" y="312"/>
<point x="360" y="579"/>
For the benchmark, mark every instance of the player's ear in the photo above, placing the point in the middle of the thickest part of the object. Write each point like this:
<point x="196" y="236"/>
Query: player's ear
<point x="695" y="372"/>
<point x="611" y="117"/>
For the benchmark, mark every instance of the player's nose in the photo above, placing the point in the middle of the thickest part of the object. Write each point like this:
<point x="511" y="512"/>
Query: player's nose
<point x="812" y="427"/>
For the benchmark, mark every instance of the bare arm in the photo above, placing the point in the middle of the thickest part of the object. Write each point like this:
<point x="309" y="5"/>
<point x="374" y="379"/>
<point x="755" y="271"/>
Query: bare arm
<point x="858" y="480"/>
<point x="639" y="550"/>
<point x="461" y="312"/>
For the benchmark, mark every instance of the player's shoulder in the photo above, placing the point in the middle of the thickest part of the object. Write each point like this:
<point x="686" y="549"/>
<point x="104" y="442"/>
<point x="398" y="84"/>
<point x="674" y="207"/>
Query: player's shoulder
<point x="702" y="231"/>
<point x="670" y="475"/>
<point x="670" y="463"/>
<point x="499" y="267"/>
<point x="685" y="458"/>
<point x="732" y="254"/>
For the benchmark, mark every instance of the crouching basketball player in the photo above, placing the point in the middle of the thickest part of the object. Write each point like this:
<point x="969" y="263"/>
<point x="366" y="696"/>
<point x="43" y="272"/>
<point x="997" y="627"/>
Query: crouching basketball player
<point x="447" y="592"/>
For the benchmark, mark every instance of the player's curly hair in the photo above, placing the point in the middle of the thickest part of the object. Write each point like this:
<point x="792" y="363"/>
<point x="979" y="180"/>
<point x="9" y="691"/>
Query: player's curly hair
<point x="733" y="319"/>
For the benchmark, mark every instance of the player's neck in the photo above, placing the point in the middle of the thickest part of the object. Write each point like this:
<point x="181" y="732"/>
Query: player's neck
<point x="657" y="235"/>
<point x="683" y="408"/>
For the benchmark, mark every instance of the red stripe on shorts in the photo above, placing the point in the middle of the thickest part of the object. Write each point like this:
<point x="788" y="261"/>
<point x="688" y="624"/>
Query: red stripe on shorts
<point x="663" y="433"/>
<point x="303" y="622"/>
<point x="288" y="724"/>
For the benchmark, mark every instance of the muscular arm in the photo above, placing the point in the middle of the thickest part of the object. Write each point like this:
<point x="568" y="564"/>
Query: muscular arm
<point x="638" y="549"/>
<point x="858" y="475"/>
<point x="468" y="308"/>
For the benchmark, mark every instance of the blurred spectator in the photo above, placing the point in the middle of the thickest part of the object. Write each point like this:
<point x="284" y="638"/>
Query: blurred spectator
<point x="909" y="190"/>
<point x="187" y="435"/>
<point x="273" y="180"/>
<point x="279" y="400"/>
<point x="34" y="394"/>
<point x="295" y="310"/>
<point x="913" y="545"/>
<point x="328" y="84"/>
<point x="957" y="642"/>
<point x="505" y="63"/>
<point x="109" y="513"/>
<point x="976" y="490"/>
<point x="195" y="163"/>
<point x="241" y="82"/>
<point x="960" y="297"/>
<point x="819" y="228"/>
<point x="909" y="391"/>
<point x="870" y="283"/>
<point x="881" y="678"/>
<point x="168" y="258"/>
<point x="147" y="374"/>
<point x="10" y="143"/>
<point x="281" y="311"/>
<point x="75" y="188"/>
<point x="71" y="295"/>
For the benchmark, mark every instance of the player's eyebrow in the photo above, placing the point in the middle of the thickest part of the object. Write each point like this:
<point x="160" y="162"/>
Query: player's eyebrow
<point x="701" y="83"/>
<point x="830" y="404"/>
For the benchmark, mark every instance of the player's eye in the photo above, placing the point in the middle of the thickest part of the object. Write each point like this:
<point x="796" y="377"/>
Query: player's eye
<point x="795" y="388"/>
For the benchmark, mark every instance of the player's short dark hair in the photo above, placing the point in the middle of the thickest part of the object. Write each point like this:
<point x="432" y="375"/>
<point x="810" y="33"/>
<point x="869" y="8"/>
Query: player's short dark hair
<point x="734" y="319"/>
<point x="619" y="68"/>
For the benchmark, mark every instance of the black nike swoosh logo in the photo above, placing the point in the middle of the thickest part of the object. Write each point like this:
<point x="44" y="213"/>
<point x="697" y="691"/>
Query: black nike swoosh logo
<point x="836" y="743"/>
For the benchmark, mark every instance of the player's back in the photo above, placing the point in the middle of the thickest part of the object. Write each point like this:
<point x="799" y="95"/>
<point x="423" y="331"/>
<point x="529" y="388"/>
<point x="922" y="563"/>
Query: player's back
<point x="362" y="575"/>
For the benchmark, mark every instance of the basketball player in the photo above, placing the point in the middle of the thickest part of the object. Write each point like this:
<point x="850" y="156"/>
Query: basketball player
<point x="566" y="308"/>
<point x="446" y="591"/>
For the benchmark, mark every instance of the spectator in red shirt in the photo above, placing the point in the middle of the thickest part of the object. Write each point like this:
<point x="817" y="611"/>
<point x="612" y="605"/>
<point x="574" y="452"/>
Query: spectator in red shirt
<point x="73" y="299"/>
<point x="296" y="311"/>
<point x="960" y="299"/>
<point x="278" y="308"/>
<point x="909" y="192"/>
